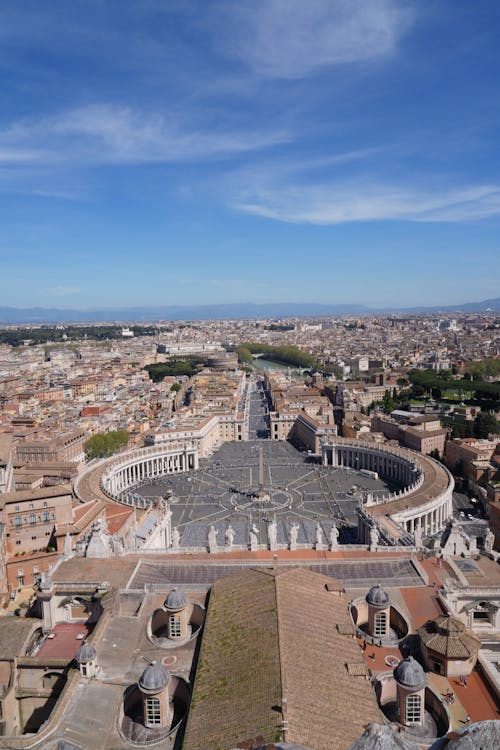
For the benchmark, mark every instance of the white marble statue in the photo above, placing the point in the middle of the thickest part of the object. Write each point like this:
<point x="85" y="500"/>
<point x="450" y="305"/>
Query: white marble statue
<point x="319" y="536"/>
<point x="374" y="537"/>
<point x="489" y="540"/>
<point x="272" y="533"/>
<point x="334" y="538"/>
<point x="294" y="533"/>
<point x="176" y="538"/>
<point x="254" y="538"/>
<point x="212" y="539"/>
<point x="229" y="536"/>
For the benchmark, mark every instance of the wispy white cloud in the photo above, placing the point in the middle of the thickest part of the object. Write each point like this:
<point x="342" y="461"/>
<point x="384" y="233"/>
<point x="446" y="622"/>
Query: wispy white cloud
<point x="292" y="38"/>
<point x="65" y="291"/>
<point x="117" y="134"/>
<point x="339" y="203"/>
<point x="12" y="156"/>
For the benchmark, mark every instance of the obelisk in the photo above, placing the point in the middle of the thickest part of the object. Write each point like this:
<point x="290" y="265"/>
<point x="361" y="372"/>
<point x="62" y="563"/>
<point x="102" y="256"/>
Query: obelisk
<point x="260" y="492"/>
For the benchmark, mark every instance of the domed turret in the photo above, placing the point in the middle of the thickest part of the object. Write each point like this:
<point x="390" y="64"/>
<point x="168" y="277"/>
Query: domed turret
<point x="85" y="658"/>
<point x="379" y="612"/>
<point x="377" y="596"/>
<point x="411" y="682"/>
<point x="85" y="653"/>
<point x="410" y="675"/>
<point x="176" y="599"/>
<point x="155" y="678"/>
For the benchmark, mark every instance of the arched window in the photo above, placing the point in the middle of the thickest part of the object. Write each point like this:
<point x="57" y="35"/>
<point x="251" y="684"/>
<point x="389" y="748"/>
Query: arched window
<point x="17" y="521"/>
<point x="413" y="709"/>
<point x="380" y="623"/>
<point x="32" y="518"/>
<point x="174" y="626"/>
<point x="153" y="712"/>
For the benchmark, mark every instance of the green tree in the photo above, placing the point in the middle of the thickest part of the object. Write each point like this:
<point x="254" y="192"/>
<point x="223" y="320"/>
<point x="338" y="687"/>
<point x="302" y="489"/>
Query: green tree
<point x="175" y="387"/>
<point x="388" y="402"/>
<point x="105" y="444"/>
<point x="484" y="424"/>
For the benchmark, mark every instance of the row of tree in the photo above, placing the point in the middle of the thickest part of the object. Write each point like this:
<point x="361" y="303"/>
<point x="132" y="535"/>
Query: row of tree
<point x="435" y="383"/>
<point x="175" y="366"/>
<point x="287" y="355"/>
<point x="484" y="424"/>
<point x="105" y="444"/>
<point x="58" y="334"/>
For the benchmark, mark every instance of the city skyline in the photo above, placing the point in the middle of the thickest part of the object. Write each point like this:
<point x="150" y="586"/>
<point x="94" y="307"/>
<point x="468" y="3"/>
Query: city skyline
<point x="189" y="153"/>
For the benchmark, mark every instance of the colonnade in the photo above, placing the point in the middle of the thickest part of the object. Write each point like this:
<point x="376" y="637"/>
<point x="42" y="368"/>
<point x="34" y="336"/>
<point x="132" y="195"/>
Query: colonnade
<point x="430" y="522"/>
<point x="390" y="465"/>
<point x="144" y="464"/>
<point x="427" y="486"/>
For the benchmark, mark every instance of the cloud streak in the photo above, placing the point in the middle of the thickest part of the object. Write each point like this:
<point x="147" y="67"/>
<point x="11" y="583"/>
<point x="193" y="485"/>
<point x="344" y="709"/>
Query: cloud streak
<point x="348" y="202"/>
<point x="116" y="134"/>
<point x="292" y="39"/>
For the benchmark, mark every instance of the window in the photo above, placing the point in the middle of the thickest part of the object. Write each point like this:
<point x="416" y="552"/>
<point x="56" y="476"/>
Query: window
<point x="31" y="506"/>
<point x="46" y="516"/>
<point x="413" y="704"/>
<point x="481" y="616"/>
<point x="174" y="626"/>
<point x="32" y="518"/>
<point x="153" y="712"/>
<point x="84" y="670"/>
<point x="17" y="521"/>
<point x="380" y="623"/>
<point x="17" y="508"/>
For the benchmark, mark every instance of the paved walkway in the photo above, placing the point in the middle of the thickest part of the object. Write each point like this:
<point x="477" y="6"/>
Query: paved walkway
<point x="477" y="699"/>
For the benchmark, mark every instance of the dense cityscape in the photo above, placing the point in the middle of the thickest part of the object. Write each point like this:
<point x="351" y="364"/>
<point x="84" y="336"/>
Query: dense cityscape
<point x="145" y="467"/>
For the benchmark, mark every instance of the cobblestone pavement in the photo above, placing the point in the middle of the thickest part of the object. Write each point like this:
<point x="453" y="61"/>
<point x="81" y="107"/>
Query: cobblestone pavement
<point x="223" y="492"/>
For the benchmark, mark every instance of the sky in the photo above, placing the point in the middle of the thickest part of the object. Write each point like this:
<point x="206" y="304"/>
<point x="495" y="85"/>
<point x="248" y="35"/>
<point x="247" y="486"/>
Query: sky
<point x="175" y="152"/>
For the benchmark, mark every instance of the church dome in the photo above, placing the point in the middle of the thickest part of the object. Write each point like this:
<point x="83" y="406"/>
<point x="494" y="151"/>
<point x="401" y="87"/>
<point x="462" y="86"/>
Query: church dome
<point x="85" y="653"/>
<point x="154" y="678"/>
<point x="176" y="599"/>
<point x="377" y="596"/>
<point x="410" y="674"/>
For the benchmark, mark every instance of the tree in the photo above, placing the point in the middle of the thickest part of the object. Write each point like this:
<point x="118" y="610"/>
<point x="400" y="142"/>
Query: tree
<point x="175" y="387"/>
<point x="388" y="402"/>
<point x="484" y="424"/>
<point x="105" y="444"/>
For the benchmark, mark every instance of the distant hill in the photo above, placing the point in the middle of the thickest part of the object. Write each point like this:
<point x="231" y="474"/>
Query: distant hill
<point x="42" y="315"/>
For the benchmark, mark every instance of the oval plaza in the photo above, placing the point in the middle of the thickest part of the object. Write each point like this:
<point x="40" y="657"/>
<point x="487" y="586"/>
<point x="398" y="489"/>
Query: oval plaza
<point x="267" y="495"/>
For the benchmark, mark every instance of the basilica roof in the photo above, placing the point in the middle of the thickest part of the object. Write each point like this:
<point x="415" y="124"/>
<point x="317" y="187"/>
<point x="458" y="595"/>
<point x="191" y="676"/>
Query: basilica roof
<point x="274" y="635"/>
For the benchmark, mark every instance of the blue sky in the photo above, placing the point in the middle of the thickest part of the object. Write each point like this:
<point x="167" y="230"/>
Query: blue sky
<point x="198" y="151"/>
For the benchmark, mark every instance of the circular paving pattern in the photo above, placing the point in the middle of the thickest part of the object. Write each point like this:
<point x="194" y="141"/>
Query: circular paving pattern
<point x="224" y="491"/>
